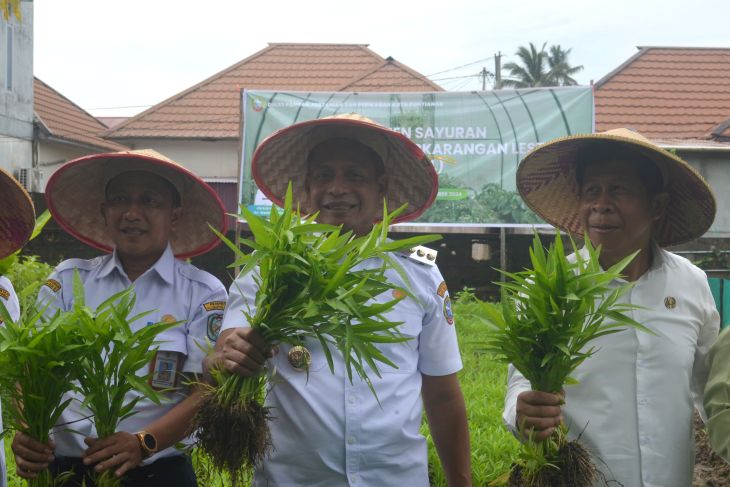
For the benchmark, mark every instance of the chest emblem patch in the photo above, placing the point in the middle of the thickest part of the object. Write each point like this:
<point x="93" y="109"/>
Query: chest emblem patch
<point x="670" y="302"/>
<point x="299" y="357"/>
<point x="398" y="294"/>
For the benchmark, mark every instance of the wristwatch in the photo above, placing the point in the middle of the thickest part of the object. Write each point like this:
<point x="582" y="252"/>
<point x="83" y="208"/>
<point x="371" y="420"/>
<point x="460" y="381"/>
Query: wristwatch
<point x="147" y="442"/>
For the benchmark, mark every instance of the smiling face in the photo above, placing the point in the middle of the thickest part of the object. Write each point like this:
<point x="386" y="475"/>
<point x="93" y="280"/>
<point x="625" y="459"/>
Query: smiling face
<point x="140" y="211"/>
<point x="617" y="210"/>
<point x="345" y="184"/>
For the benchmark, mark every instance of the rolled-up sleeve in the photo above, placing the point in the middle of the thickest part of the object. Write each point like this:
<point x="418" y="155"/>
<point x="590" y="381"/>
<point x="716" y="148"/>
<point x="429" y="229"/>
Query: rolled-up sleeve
<point x="241" y="302"/>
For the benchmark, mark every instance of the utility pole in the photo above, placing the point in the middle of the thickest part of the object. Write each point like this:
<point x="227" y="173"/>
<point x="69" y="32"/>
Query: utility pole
<point x="498" y="71"/>
<point x="484" y="78"/>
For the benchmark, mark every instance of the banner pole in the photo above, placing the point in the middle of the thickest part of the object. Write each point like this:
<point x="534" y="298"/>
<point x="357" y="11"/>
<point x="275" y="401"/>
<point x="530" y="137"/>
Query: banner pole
<point x="502" y="252"/>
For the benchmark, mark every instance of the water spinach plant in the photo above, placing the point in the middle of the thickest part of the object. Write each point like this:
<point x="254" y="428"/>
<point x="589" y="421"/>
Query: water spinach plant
<point x="311" y="285"/>
<point x="548" y="317"/>
<point x="38" y="366"/>
<point x="109" y="375"/>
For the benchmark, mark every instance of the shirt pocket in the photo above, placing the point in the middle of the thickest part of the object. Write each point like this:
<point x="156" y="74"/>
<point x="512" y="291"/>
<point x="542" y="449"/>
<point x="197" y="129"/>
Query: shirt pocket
<point x="403" y="354"/>
<point x="297" y="360"/>
<point x="172" y="340"/>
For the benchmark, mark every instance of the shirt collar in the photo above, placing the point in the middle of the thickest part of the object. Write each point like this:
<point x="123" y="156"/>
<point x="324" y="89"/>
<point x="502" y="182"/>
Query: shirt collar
<point x="657" y="258"/>
<point x="164" y="267"/>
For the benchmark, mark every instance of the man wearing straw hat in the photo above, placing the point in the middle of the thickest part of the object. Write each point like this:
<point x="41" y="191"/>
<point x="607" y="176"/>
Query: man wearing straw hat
<point x="634" y="403"/>
<point x="327" y="432"/>
<point x="17" y="219"/>
<point x="149" y="213"/>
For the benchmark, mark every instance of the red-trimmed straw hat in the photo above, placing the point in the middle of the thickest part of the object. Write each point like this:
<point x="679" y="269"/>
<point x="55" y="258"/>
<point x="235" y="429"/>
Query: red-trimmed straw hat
<point x="282" y="157"/>
<point x="17" y="217"/>
<point x="75" y="192"/>
<point x="546" y="180"/>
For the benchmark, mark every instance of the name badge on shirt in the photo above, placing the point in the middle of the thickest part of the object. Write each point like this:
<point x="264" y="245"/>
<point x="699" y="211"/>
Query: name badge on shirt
<point x="165" y="370"/>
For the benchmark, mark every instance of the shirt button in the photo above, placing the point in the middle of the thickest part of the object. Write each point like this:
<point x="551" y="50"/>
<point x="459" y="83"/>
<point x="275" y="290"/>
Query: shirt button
<point x="351" y="400"/>
<point x="351" y="440"/>
<point x="354" y="477"/>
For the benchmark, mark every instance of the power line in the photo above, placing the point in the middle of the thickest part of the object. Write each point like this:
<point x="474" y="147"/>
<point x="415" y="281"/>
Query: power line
<point x="115" y="108"/>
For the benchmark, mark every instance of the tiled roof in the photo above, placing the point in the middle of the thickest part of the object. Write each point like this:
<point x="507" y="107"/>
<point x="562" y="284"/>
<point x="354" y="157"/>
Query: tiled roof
<point x="65" y="120"/>
<point x="210" y="109"/>
<point x="111" y="122"/>
<point x="667" y="93"/>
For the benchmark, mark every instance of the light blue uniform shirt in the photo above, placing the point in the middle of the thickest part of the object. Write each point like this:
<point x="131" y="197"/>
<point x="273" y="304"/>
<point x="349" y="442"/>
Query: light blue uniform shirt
<point x="327" y="432"/>
<point x="10" y="300"/>
<point x="174" y="291"/>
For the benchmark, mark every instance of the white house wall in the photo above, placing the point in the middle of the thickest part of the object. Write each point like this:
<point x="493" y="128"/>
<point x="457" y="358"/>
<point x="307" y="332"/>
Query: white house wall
<point x="715" y="168"/>
<point x="51" y="155"/>
<point x="207" y="159"/>
<point x="16" y="104"/>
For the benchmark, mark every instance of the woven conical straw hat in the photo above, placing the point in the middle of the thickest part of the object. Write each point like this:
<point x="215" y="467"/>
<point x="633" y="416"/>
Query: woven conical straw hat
<point x="75" y="192"/>
<point x="17" y="216"/>
<point x="546" y="180"/>
<point x="282" y="157"/>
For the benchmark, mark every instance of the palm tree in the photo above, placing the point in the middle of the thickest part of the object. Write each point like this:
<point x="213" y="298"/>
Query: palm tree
<point x="540" y="68"/>
<point x="534" y="70"/>
<point x="561" y="71"/>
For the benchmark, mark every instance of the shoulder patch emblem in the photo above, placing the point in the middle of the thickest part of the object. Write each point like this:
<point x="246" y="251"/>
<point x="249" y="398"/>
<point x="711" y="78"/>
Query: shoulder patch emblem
<point x="214" y="326"/>
<point x="448" y="312"/>
<point x="4" y="293"/>
<point x="53" y="285"/>
<point x="215" y="305"/>
<point x="442" y="290"/>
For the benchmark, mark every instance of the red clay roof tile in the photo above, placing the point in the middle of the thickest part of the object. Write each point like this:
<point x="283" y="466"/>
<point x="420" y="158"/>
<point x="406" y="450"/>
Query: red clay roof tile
<point x="66" y="120"/>
<point x="667" y="93"/>
<point x="210" y="109"/>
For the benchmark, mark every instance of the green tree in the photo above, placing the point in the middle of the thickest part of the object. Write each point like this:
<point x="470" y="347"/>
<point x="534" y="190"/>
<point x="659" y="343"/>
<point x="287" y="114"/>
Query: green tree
<point x="541" y="67"/>
<point x="561" y="72"/>
<point x="533" y="70"/>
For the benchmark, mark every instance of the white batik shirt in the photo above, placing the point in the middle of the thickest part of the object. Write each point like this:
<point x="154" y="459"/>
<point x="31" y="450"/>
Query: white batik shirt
<point x="634" y="404"/>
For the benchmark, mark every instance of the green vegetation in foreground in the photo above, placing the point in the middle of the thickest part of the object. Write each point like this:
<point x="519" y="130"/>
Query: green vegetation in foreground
<point x="483" y="382"/>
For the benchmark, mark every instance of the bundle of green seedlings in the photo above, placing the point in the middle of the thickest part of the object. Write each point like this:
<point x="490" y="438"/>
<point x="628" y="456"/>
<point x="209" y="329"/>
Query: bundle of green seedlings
<point x="311" y="285"/>
<point x="108" y="372"/>
<point x="548" y="317"/>
<point x="38" y="365"/>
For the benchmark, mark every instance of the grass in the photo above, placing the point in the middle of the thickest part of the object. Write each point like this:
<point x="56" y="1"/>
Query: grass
<point x="483" y="382"/>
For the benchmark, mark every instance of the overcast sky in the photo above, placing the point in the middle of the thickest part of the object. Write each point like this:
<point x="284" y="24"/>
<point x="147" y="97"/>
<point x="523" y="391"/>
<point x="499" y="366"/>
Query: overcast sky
<point x="131" y="54"/>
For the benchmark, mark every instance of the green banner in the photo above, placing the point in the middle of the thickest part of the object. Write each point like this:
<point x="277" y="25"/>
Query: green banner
<point x="475" y="139"/>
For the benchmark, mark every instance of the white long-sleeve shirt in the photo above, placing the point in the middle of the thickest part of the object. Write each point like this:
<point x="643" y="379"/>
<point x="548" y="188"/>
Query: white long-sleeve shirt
<point x="634" y="404"/>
